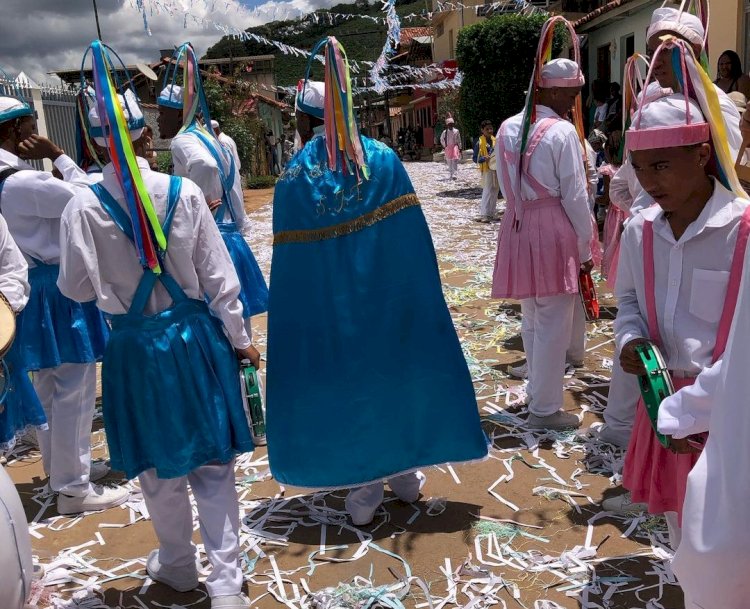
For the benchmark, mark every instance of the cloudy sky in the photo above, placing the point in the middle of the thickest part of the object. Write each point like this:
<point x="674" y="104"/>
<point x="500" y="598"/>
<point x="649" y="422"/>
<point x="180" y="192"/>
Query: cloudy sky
<point x="38" y="36"/>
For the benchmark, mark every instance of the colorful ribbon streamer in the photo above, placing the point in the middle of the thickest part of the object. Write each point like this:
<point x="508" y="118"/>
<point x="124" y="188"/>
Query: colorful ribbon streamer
<point x="146" y="226"/>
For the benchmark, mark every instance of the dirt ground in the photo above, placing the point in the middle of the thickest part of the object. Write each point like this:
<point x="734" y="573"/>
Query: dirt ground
<point x="449" y="545"/>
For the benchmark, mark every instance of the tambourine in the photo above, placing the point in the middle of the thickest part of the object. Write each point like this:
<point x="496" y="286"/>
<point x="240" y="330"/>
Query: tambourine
<point x="587" y="290"/>
<point x="492" y="161"/>
<point x="655" y="385"/>
<point x="252" y="402"/>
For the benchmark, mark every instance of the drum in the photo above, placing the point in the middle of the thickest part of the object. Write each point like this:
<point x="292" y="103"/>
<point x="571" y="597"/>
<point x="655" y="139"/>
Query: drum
<point x="7" y="325"/>
<point x="655" y="385"/>
<point x="587" y="290"/>
<point x="492" y="161"/>
<point x="252" y="401"/>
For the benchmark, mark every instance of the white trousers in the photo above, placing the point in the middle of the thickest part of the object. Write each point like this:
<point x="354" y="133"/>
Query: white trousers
<point x="675" y="531"/>
<point x="361" y="502"/>
<point x="619" y="414"/>
<point x="490" y="190"/>
<point x="168" y="504"/>
<point x="577" y="347"/>
<point x="68" y="396"/>
<point x="546" y="327"/>
<point x="452" y="166"/>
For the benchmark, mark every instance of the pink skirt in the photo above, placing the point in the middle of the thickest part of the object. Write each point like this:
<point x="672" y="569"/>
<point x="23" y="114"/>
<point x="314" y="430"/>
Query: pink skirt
<point x="653" y="474"/>
<point x="452" y="153"/>
<point x="612" y="233"/>
<point x="541" y="259"/>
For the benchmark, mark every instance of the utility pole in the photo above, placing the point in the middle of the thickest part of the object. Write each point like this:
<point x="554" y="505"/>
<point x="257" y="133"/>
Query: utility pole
<point x="96" y="16"/>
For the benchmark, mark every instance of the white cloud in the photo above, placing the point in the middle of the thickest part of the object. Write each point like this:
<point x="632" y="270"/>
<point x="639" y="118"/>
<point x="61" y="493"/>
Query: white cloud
<point x="40" y="36"/>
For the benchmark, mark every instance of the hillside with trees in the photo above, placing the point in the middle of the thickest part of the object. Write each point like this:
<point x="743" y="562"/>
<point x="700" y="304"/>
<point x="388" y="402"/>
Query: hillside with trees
<point x="362" y="38"/>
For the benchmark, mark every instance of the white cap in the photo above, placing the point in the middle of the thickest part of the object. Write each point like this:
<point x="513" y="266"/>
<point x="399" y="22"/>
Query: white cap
<point x="133" y="116"/>
<point x="449" y="121"/>
<point x="311" y="97"/>
<point x="11" y="108"/>
<point x="171" y="97"/>
<point x="670" y="19"/>
<point x="214" y="124"/>
<point x="739" y="99"/>
<point x="668" y="122"/>
<point x="561" y="73"/>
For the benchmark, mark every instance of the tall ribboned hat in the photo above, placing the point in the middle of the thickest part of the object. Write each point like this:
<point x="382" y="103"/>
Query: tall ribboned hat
<point x="342" y="139"/>
<point x="133" y="118"/>
<point x="310" y="97"/>
<point x="189" y="97"/>
<point x="551" y="73"/>
<point x="692" y="117"/>
<point x="116" y="116"/>
<point x="13" y="107"/>
<point x="677" y="19"/>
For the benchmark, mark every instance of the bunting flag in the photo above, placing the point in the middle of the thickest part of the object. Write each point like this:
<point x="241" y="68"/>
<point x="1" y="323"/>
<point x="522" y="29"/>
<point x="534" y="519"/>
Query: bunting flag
<point x="149" y="238"/>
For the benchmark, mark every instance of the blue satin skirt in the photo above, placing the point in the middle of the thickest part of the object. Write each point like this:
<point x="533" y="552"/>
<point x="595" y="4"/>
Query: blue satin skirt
<point x="170" y="392"/>
<point x="21" y="407"/>
<point x="253" y="288"/>
<point x="366" y="378"/>
<point x="53" y="330"/>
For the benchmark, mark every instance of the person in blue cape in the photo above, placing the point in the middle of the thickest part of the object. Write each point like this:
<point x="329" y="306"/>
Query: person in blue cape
<point x="198" y="154"/>
<point x="145" y="247"/>
<point x="366" y="378"/>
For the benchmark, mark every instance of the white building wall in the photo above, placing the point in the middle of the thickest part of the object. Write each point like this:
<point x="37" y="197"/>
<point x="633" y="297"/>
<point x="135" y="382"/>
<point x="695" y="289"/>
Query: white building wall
<point x="613" y="33"/>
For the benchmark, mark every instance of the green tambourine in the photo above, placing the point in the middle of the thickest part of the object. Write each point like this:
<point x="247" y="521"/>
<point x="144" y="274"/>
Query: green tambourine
<point x="252" y="401"/>
<point x="655" y="385"/>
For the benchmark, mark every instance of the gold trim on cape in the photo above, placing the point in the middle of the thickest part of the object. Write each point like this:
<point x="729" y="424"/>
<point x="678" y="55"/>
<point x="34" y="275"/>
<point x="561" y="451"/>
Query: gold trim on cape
<point x="347" y="228"/>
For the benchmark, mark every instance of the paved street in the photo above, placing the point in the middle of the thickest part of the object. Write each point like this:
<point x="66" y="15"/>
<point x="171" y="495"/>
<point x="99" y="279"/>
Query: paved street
<point x="521" y="529"/>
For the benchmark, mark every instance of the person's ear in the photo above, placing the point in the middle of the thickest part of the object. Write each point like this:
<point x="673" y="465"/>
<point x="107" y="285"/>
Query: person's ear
<point x="704" y="154"/>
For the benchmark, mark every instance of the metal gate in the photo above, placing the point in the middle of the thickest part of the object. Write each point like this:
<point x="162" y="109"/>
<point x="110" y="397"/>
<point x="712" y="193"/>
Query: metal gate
<point x="55" y="111"/>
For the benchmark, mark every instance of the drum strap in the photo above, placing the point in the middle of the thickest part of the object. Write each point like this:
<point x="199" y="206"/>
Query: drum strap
<point x="5" y="174"/>
<point x="733" y="288"/>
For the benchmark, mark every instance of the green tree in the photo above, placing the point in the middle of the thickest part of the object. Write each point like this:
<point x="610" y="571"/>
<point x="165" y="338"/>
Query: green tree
<point x="496" y="57"/>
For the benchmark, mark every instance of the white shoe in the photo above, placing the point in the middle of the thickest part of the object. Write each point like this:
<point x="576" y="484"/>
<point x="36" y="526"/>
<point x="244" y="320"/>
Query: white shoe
<point x="519" y="372"/>
<point x="238" y="601"/>
<point x="99" y="469"/>
<point x="556" y="421"/>
<point x="98" y="498"/>
<point x="408" y="486"/>
<point x="609" y="436"/>
<point x="180" y="579"/>
<point x="623" y="504"/>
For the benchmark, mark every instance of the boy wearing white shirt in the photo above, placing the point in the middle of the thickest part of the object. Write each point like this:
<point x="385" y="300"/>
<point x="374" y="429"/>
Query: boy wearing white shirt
<point x="59" y="339"/>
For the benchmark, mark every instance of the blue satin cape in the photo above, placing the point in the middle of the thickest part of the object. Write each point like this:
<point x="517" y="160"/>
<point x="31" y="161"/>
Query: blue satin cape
<point x="366" y="377"/>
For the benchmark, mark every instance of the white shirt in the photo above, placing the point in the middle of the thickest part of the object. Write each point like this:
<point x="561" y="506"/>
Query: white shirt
<point x="32" y="202"/>
<point x="100" y="263"/>
<point x="72" y="173"/>
<point x="600" y="114"/>
<point x="14" y="279"/>
<point x="713" y="559"/>
<point x="624" y="188"/>
<point x="592" y="174"/>
<point x="232" y="147"/>
<point x="450" y="137"/>
<point x="192" y="160"/>
<point x="557" y="164"/>
<point x="690" y="276"/>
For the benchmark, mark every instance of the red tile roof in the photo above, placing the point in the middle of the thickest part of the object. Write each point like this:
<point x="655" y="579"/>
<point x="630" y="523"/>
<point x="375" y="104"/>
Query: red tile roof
<point x="409" y="33"/>
<point x="602" y="10"/>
